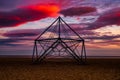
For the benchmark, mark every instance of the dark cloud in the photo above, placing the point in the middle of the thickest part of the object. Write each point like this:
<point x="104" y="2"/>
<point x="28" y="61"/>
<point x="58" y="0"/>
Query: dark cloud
<point x="81" y="29"/>
<point x="8" y="42"/>
<point x="14" y="41"/>
<point x="104" y="37"/>
<point x="77" y="11"/>
<point x="13" y="4"/>
<point x="23" y="33"/>
<point x="17" y="36"/>
<point x="20" y="34"/>
<point x="26" y="14"/>
<point x="111" y="17"/>
<point x="4" y="4"/>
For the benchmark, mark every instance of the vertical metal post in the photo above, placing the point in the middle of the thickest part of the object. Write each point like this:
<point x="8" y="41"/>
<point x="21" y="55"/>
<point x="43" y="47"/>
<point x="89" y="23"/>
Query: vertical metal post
<point x="33" y="52"/>
<point x="59" y="27"/>
<point x="84" y="52"/>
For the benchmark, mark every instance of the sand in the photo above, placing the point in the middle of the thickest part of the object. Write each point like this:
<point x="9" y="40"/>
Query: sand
<point x="23" y="69"/>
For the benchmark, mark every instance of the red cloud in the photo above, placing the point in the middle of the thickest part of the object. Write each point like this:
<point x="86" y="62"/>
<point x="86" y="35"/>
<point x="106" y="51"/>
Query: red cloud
<point x="26" y="14"/>
<point x="77" y="11"/>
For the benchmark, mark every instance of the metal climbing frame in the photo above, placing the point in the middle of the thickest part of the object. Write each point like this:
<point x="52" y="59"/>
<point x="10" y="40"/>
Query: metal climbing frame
<point x="59" y="38"/>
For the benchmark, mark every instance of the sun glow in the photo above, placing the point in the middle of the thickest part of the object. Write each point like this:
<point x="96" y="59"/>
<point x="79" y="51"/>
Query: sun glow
<point x="52" y="10"/>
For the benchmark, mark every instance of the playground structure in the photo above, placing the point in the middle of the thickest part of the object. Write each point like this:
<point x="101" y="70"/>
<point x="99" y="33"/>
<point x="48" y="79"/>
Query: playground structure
<point x="59" y="39"/>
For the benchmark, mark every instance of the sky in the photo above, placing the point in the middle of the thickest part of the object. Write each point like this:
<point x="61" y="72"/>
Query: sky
<point x="97" y="21"/>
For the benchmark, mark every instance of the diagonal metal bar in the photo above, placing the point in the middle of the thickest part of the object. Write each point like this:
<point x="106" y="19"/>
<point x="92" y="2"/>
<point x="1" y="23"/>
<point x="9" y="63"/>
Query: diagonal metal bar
<point x="71" y="29"/>
<point x="47" y="50"/>
<point x="47" y="53"/>
<point x="67" y="49"/>
<point x="72" y="51"/>
<point x="46" y="29"/>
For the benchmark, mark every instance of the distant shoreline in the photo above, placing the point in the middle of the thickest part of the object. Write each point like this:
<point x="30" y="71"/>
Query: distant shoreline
<point x="30" y="56"/>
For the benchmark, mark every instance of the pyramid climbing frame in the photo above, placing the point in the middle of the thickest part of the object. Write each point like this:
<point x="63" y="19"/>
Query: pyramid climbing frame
<point x="59" y="39"/>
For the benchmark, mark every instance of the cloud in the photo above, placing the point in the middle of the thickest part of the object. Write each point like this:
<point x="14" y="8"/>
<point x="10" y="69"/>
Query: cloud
<point x="66" y="31"/>
<point x="7" y="4"/>
<point x="19" y="37"/>
<point x="16" y="41"/>
<point x="8" y="42"/>
<point x="111" y="17"/>
<point x="117" y="42"/>
<point x="103" y="37"/>
<point x="23" y="33"/>
<point x="91" y="34"/>
<point x="31" y="34"/>
<point x="27" y="14"/>
<point x="13" y="4"/>
<point x="77" y="11"/>
<point x="103" y="41"/>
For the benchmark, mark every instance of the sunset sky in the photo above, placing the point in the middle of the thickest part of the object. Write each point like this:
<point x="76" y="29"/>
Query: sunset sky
<point x="97" y="21"/>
